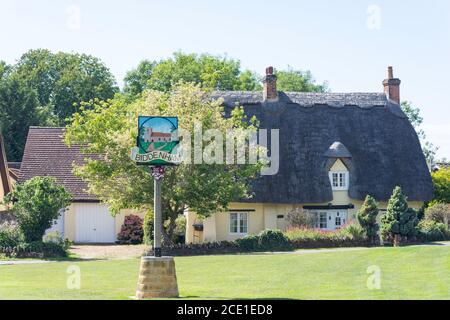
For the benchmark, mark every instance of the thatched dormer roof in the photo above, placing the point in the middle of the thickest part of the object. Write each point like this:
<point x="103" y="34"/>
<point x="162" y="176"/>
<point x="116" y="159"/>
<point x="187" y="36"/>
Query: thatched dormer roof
<point x="337" y="150"/>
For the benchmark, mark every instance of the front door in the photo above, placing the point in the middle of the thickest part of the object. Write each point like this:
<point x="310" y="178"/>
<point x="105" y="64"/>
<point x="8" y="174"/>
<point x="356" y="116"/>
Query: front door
<point x="336" y="219"/>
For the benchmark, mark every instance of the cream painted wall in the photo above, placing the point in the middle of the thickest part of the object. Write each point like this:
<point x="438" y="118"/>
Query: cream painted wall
<point x="338" y="166"/>
<point x="264" y="216"/>
<point x="70" y="220"/>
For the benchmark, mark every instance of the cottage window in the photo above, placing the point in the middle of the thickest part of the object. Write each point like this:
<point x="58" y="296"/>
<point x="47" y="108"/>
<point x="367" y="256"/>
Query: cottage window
<point x="338" y="222"/>
<point x="238" y="223"/>
<point x="339" y="180"/>
<point x="322" y="221"/>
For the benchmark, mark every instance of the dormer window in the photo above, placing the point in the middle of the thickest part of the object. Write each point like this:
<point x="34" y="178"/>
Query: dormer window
<point x="339" y="180"/>
<point x="338" y="171"/>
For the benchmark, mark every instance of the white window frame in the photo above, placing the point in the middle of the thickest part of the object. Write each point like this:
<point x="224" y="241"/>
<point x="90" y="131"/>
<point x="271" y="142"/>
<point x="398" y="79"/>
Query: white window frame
<point x="339" y="174"/>
<point x="239" y="216"/>
<point x="330" y="219"/>
<point x="319" y="214"/>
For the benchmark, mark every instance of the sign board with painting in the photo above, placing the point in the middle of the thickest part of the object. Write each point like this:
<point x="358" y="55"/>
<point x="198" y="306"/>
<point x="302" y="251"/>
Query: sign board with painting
<point x="157" y="141"/>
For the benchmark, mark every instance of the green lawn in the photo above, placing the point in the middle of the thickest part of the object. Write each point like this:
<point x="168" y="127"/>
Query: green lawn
<point x="406" y="273"/>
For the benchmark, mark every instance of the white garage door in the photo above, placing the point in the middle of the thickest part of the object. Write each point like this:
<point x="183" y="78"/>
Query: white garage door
<point x="58" y="224"/>
<point x="94" y="224"/>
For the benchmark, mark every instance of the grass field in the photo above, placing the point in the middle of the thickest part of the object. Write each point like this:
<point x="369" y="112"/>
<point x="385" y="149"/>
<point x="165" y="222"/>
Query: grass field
<point x="406" y="273"/>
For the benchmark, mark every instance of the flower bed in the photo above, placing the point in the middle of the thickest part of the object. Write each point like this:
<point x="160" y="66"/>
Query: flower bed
<point x="306" y="238"/>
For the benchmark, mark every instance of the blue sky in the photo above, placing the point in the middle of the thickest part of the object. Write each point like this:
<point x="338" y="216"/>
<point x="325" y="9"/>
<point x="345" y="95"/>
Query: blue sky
<point x="348" y="43"/>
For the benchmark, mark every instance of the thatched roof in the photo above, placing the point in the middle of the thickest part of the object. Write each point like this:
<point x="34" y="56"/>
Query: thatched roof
<point x="337" y="150"/>
<point x="381" y="148"/>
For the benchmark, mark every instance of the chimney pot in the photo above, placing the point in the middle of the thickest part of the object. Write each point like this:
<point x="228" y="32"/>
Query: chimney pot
<point x="270" y="85"/>
<point x="390" y="73"/>
<point x="392" y="86"/>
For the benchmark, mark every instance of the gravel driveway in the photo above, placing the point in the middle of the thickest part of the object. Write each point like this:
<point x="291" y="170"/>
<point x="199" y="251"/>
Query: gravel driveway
<point x="108" y="251"/>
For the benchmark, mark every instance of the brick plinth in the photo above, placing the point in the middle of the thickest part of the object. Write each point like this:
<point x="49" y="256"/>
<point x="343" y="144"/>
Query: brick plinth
<point x="157" y="278"/>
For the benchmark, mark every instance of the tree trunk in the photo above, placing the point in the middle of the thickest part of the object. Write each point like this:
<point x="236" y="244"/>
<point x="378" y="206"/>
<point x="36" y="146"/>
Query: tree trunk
<point x="396" y="240"/>
<point x="171" y="214"/>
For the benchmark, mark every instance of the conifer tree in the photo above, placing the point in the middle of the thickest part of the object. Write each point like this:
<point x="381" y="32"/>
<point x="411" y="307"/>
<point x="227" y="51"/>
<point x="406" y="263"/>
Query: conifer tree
<point x="367" y="218"/>
<point x="399" y="220"/>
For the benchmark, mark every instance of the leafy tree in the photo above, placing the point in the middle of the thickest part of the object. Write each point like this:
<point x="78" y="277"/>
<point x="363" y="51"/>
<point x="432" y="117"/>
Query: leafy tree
<point x="136" y="80"/>
<point x="36" y="204"/>
<point x="367" y="218"/>
<point x="19" y="109"/>
<point x="399" y="220"/>
<point x="211" y="72"/>
<point x="148" y="227"/>
<point x="429" y="150"/>
<point x="4" y="70"/>
<point x="63" y="80"/>
<point x="441" y="184"/>
<point x="298" y="81"/>
<point x="109" y="128"/>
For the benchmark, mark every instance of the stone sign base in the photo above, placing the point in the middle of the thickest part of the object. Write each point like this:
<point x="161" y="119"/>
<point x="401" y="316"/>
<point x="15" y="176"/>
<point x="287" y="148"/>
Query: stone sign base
<point x="157" y="278"/>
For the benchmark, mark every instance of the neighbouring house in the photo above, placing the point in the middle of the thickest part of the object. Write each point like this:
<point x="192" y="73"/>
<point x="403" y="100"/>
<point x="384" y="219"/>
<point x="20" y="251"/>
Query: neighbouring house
<point x="8" y="175"/>
<point x="441" y="166"/>
<point x="335" y="148"/>
<point x="86" y="220"/>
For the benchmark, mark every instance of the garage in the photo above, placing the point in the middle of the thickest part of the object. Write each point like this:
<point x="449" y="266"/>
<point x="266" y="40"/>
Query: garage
<point x="94" y="224"/>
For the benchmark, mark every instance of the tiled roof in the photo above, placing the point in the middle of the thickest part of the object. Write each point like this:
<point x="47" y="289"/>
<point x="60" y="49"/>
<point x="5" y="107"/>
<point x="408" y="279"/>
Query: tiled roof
<point x="46" y="154"/>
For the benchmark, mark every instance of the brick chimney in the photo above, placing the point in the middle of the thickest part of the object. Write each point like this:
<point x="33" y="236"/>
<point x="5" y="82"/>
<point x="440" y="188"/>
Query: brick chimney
<point x="392" y="86"/>
<point x="270" y="85"/>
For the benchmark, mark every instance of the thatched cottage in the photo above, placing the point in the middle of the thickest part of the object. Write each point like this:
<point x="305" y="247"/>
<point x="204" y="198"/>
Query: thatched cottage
<point x="335" y="148"/>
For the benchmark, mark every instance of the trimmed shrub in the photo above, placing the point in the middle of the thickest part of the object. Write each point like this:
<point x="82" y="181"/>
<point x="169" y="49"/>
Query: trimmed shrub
<point x="148" y="227"/>
<point x="355" y="232"/>
<point x="439" y="212"/>
<point x="36" y="204"/>
<point x="10" y="235"/>
<point x="399" y="221"/>
<point x="131" y="231"/>
<point x="432" y="231"/>
<point x="196" y="249"/>
<point x="274" y="240"/>
<point x="367" y="218"/>
<point x="36" y="249"/>
<point x="249" y="243"/>
<point x="57" y="238"/>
